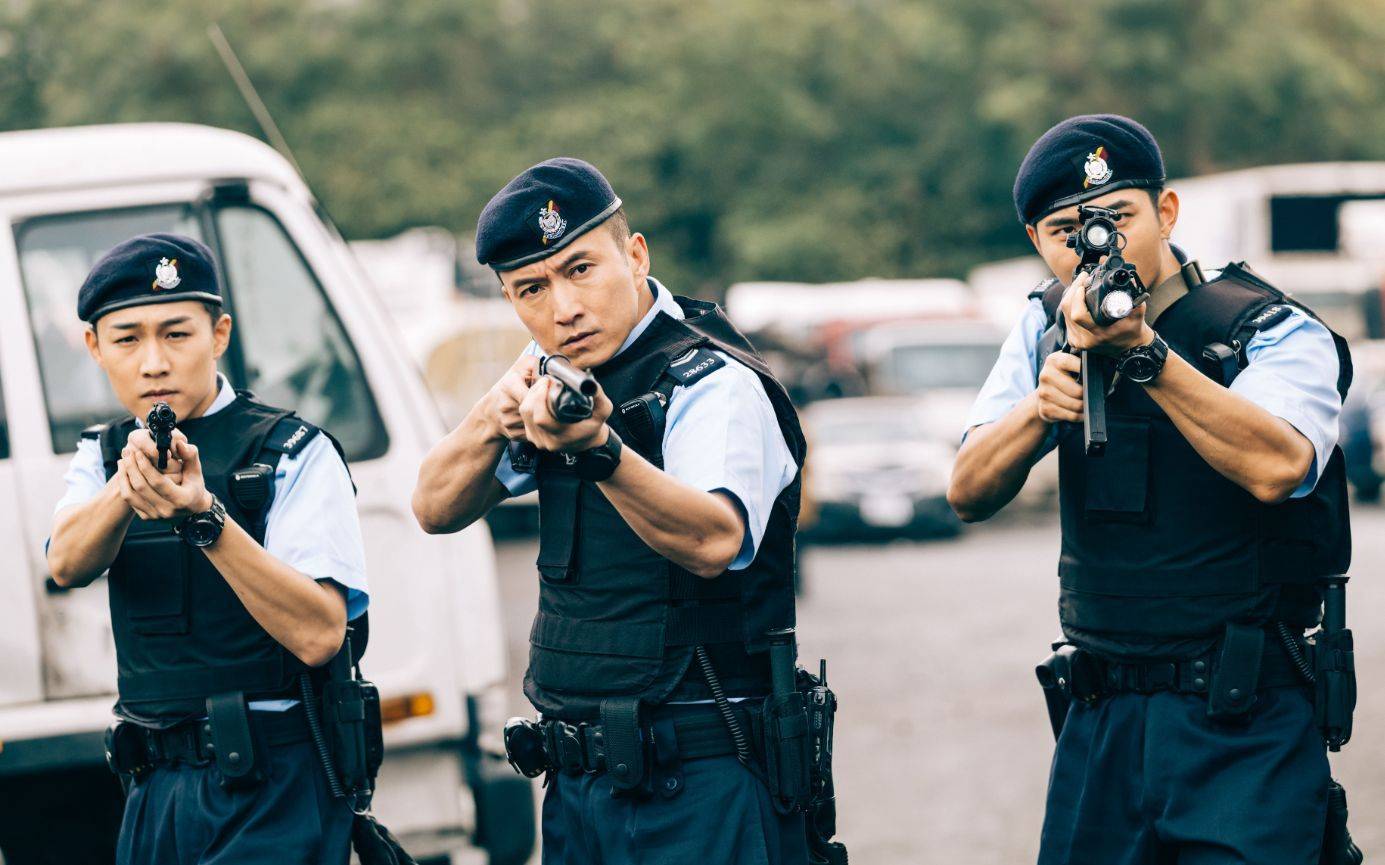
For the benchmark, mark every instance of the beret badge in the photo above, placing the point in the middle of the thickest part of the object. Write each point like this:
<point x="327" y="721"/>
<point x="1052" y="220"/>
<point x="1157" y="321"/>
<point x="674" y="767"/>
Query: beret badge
<point x="166" y="274"/>
<point x="551" y="223"/>
<point x="1096" y="168"/>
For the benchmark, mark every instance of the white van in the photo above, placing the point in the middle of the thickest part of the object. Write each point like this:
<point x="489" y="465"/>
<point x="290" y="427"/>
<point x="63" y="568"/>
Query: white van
<point x="309" y="335"/>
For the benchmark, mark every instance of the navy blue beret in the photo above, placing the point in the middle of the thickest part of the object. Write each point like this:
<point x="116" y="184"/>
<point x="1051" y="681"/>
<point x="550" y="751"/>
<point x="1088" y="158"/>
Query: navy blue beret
<point x="1084" y="157"/>
<point x="151" y="268"/>
<point x="541" y="211"/>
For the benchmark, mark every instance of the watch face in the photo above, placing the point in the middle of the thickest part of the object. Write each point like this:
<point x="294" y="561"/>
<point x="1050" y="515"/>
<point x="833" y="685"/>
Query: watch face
<point x="201" y="532"/>
<point x="1141" y="367"/>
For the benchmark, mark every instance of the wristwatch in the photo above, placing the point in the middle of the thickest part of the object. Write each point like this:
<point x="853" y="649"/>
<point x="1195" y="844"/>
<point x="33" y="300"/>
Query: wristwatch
<point x="202" y="530"/>
<point x="599" y="463"/>
<point x="1143" y="362"/>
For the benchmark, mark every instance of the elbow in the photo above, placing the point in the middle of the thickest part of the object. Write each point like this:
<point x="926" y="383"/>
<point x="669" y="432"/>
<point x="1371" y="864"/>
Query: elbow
<point x="1277" y="484"/>
<point x="966" y="506"/>
<point x="321" y="647"/>
<point x="714" y="556"/>
<point x="429" y="521"/>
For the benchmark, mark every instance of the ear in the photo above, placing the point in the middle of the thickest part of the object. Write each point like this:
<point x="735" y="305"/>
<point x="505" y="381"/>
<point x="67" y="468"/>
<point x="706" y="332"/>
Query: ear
<point x="221" y="335"/>
<point x="1168" y="212"/>
<point x="637" y="250"/>
<point x="93" y="345"/>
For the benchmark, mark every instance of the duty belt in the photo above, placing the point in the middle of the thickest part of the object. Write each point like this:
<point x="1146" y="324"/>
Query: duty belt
<point x="581" y="747"/>
<point x="132" y="749"/>
<point x="1190" y="676"/>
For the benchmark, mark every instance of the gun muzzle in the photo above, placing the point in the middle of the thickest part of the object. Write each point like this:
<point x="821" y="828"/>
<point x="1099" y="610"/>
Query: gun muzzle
<point x="571" y="377"/>
<point x="161" y="421"/>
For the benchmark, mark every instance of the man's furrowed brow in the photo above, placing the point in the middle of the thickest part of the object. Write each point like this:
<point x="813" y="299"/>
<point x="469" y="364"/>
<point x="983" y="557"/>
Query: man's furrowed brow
<point x="177" y="319"/>
<point x="1060" y="222"/>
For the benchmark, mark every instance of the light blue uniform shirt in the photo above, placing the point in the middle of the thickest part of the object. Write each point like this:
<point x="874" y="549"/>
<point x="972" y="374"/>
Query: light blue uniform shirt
<point x="1292" y="374"/>
<point x="721" y="435"/>
<point x="312" y="525"/>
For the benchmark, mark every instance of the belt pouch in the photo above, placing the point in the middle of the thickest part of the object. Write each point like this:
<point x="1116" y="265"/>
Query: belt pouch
<point x="127" y="750"/>
<point x="233" y="740"/>
<point x="1237" y="674"/>
<point x="787" y="751"/>
<point x="625" y="757"/>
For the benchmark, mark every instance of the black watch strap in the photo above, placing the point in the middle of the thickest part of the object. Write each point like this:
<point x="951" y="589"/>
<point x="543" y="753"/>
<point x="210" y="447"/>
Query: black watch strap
<point x="204" y="528"/>
<point x="599" y="463"/>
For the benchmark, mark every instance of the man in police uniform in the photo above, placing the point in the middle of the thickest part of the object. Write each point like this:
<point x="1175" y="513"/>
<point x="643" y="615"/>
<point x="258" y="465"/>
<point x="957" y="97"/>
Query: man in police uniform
<point x="666" y="533"/>
<point x="1218" y="502"/>
<point x="231" y="572"/>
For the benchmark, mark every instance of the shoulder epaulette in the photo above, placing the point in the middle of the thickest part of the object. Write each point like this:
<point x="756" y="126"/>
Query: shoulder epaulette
<point x="1038" y="292"/>
<point x="94" y="431"/>
<point x="1270" y="316"/>
<point x="696" y="365"/>
<point x="290" y="436"/>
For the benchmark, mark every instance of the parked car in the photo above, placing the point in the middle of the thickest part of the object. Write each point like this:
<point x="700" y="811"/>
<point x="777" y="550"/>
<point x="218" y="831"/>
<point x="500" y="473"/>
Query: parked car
<point x="309" y="336"/>
<point x="878" y="467"/>
<point x="1362" y="433"/>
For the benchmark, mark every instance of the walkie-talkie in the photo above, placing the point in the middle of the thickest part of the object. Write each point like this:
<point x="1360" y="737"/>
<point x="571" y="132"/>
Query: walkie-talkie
<point x="161" y="421"/>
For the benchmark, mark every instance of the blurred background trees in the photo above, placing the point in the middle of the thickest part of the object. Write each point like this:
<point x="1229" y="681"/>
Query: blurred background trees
<point x="813" y="140"/>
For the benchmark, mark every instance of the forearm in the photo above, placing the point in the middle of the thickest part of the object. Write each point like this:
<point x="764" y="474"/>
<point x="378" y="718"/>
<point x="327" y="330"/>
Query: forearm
<point x="698" y="530"/>
<point x="995" y="460"/>
<point x="1246" y="444"/>
<point x="86" y="538"/>
<point x="306" y="617"/>
<point x="456" y="482"/>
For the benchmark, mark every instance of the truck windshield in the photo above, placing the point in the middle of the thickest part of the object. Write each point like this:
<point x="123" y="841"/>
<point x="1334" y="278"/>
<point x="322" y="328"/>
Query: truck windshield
<point x="287" y="344"/>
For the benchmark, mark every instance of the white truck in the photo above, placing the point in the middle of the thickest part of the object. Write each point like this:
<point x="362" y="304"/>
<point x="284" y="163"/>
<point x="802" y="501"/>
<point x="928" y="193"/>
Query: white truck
<point x="309" y="335"/>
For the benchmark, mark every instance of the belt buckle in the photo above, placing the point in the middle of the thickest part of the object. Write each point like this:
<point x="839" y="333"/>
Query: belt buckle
<point x="1159" y="677"/>
<point x="569" y="744"/>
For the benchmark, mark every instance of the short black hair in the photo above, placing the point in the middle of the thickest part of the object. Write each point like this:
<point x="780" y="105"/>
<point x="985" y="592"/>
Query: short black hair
<point x="619" y="226"/>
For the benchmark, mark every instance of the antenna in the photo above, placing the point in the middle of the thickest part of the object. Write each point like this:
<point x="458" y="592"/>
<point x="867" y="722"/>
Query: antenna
<point x="251" y="97"/>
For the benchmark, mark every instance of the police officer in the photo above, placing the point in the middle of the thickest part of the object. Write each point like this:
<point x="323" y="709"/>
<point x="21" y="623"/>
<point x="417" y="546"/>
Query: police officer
<point x="667" y="520"/>
<point x="1219" y="500"/>
<point x="231" y="572"/>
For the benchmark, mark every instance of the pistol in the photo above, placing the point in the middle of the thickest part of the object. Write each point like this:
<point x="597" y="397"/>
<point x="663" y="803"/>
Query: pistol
<point x="161" y="421"/>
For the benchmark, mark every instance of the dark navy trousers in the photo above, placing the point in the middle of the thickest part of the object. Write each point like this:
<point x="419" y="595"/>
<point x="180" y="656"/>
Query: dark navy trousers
<point x="180" y="815"/>
<point x="1150" y="779"/>
<point x="713" y="813"/>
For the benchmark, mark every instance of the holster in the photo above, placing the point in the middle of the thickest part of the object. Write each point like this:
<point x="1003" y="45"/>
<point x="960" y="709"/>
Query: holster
<point x="237" y="757"/>
<point x="1237" y="673"/>
<point x="1337" y="846"/>
<point x="626" y="763"/>
<point x="1066" y="675"/>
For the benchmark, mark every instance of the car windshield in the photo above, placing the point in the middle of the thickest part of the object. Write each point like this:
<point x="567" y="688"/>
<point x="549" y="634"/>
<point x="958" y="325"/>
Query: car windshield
<point x="915" y="368"/>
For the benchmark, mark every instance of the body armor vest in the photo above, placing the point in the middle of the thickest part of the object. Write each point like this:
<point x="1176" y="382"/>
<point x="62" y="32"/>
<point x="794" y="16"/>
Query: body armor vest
<point x="1159" y="550"/>
<point x="181" y="633"/>
<point x="615" y="618"/>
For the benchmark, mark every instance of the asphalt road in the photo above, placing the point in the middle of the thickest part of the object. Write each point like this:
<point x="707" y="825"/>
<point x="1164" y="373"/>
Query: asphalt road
<point x="943" y="745"/>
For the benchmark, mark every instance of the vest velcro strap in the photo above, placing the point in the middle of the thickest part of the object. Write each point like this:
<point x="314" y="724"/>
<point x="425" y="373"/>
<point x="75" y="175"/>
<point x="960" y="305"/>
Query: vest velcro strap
<point x="687" y="586"/>
<point x="636" y="640"/>
<point x="1230" y="578"/>
<point x="704" y="624"/>
<point x="252" y="677"/>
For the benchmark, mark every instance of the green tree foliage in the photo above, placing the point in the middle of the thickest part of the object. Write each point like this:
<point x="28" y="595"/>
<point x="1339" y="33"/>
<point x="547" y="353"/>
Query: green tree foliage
<point x="815" y="140"/>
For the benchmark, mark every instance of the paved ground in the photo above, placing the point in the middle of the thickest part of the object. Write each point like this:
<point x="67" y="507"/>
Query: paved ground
<point x="943" y="744"/>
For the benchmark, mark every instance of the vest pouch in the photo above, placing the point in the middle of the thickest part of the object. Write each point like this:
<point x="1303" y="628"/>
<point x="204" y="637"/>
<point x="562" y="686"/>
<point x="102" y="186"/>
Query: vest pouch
<point x="592" y="657"/>
<point x="1118" y="481"/>
<point x="558" y="505"/>
<point x="151" y="572"/>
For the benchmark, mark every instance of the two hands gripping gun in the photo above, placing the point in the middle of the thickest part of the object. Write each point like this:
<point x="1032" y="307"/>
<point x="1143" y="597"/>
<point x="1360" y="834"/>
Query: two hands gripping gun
<point x="571" y="399"/>
<point x="161" y="421"/>
<point x="1113" y="293"/>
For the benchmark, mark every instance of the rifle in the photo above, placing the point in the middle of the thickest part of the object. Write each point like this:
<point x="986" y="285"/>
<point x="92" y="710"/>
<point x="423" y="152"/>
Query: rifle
<point x="1113" y="293"/>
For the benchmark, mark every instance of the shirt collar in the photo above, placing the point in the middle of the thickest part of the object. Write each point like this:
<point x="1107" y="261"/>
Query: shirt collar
<point x="225" y="395"/>
<point x="663" y="302"/>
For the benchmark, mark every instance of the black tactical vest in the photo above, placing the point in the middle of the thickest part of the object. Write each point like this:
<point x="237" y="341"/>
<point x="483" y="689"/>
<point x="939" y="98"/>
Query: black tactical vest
<point x="1159" y="551"/>
<point x="615" y="618"/>
<point x="181" y="633"/>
